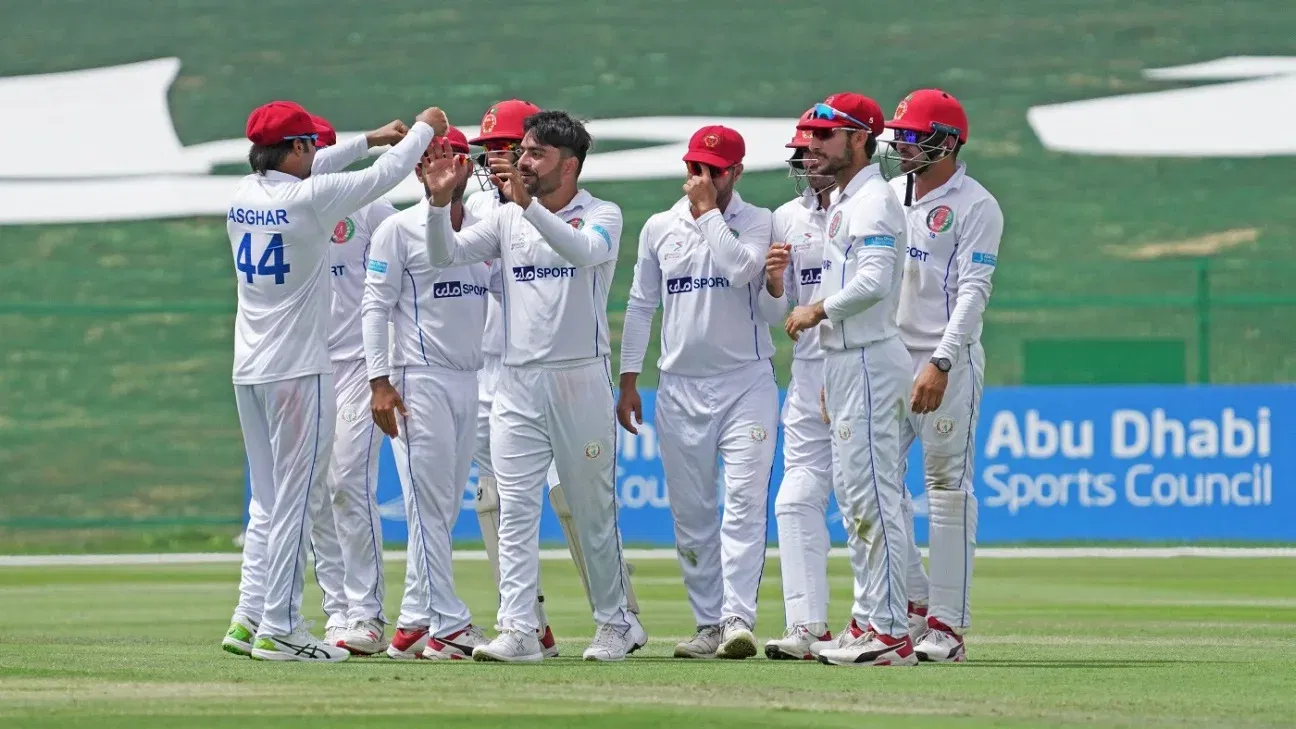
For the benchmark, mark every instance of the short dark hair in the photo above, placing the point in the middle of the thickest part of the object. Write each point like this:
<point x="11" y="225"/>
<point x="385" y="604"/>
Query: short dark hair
<point x="264" y="158"/>
<point x="870" y="145"/>
<point x="559" y="129"/>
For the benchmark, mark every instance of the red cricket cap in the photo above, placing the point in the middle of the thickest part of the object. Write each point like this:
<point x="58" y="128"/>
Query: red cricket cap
<point x="832" y="113"/>
<point x="801" y="137"/>
<point x="458" y="140"/>
<point x="503" y="121"/>
<point x="922" y="109"/>
<point x="716" y="146"/>
<point x="279" y="120"/>
<point x="327" y="134"/>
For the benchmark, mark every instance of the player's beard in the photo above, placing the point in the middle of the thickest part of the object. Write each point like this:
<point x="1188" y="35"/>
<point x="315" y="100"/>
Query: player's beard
<point x="833" y="165"/>
<point x="542" y="185"/>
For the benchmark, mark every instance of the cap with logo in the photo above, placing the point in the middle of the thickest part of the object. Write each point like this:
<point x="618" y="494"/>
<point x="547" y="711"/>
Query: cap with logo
<point x="844" y="111"/>
<point x="458" y="140"/>
<point x="801" y="137"/>
<point x="327" y="134"/>
<point x="279" y="121"/>
<point x="928" y="111"/>
<point x="716" y="146"/>
<point x="503" y="121"/>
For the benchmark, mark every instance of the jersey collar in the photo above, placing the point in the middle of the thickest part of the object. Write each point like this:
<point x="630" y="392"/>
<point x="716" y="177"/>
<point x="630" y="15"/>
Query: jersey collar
<point x="278" y="176"/>
<point x="951" y="185"/>
<point x="580" y="202"/>
<point x="855" y="184"/>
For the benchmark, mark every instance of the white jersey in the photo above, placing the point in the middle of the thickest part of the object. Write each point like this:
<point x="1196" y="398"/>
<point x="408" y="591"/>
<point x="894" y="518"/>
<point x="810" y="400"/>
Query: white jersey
<point x="350" y="248"/>
<point x="557" y="269"/>
<point x="801" y="223"/>
<point x="954" y="234"/>
<point x="708" y="276"/>
<point x="861" y="271"/>
<point x="279" y="228"/>
<point x="479" y="206"/>
<point x="437" y="314"/>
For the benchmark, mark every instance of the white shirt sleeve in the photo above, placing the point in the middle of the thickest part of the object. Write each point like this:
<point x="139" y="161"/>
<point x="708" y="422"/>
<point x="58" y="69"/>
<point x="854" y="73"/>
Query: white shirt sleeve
<point x="340" y="156"/>
<point x="379" y="211"/>
<point x="382" y="290"/>
<point x="477" y="243"/>
<point x="773" y="311"/>
<point x="741" y="259"/>
<point x="496" y="285"/>
<point x="645" y="296"/>
<point x="982" y="230"/>
<point x="338" y="195"/>
<point x="874" y="229"/>
<point x="596" y="242"/>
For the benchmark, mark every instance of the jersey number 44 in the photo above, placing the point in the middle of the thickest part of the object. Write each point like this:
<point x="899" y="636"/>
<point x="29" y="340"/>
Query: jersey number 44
<point x="271" y="263"/>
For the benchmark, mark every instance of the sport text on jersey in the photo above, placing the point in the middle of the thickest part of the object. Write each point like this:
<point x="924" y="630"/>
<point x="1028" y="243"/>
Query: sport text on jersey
<point x="248" y="216"/>
<point x="811" y="276"/>
<point x="454" y="289"/>
<point x="539" y="273"/>
<point x="686" y="284"/>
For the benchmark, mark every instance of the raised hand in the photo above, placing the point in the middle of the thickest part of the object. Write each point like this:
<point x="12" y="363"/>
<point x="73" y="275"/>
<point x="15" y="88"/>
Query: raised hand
<point x="435" y="118"/>
<point x="443" y="171"/>
<point x="701" y="191"/>
<point x="507" y="178"/>
<point x="777" y="259"/>
<point x="390" y="133"/>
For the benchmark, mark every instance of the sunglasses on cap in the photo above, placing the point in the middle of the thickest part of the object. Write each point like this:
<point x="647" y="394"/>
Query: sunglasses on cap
<point x="824" y="111"/>
<point x="314" y="138"/>
<point x="695" y="168"/>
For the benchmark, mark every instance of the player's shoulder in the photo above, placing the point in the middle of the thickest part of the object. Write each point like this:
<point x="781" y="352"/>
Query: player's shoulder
<point x="973" y="194"/>
<point x="480" y="204"/>
<point x="658" y="223"/>
<point x="400" y="223"/>
<point x="753" y="214"/>
<point x="592" y="204"/>
<point x="791" y="210"/>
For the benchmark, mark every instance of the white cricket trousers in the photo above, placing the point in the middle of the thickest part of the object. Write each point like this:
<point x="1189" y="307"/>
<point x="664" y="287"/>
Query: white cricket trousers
<point x="346" y="536"/>
<point x="288" y="435"/>
<point x="433" y="451"/>
<point x="948" y="438"/>
<point x="736" y="416"/>
<point x="866" y="391"/>
<point x="567" y="416"/>
<point x="801" y="506"/>
<point x="487" y="379"/>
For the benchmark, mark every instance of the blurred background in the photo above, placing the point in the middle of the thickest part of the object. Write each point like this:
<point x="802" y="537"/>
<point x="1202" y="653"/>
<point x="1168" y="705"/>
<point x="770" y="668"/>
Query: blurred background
<point x="1172" y="267"/>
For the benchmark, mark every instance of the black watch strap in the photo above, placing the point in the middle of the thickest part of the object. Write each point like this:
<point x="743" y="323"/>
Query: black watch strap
<point x="942" y="363"/>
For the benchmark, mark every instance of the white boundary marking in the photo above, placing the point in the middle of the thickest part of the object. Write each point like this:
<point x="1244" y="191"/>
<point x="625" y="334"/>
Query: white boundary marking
<point x="644" y="555"/>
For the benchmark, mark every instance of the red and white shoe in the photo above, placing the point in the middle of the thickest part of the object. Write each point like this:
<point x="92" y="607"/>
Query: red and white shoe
<point x="917" y="622"/>
<point x="872" y="649"/>
<point x="548" y="646"/>
<point x="849" y="634"/>
<point x="795" y="643"/>
<point x="458" y="646"/>
<point x="364" y="638"/>
<point x="408" y="644"/>
<point x="941" y="644"/>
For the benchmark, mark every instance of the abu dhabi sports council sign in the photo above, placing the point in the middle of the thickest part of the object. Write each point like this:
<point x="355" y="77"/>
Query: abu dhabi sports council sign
<point x="141" y="170"/>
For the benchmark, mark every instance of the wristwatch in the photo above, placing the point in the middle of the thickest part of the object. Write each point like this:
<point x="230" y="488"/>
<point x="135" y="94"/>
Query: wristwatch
<point x="942" y="363"/>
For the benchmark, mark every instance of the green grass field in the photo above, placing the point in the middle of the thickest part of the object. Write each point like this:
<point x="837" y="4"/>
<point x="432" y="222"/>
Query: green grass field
<point x="1057" y="643"/>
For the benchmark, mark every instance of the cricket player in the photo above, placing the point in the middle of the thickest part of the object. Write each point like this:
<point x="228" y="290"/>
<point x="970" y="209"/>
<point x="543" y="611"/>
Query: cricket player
<point x="346" y="531"/>
<point x="794" y="268"/>
<point x="866" y="367"/>
<point x="553" y="401"/>
<point x="703" y="261"/>
<point x="954" y="229"/>
<point x="278" y="224"/>
<point x="425" y="400"/>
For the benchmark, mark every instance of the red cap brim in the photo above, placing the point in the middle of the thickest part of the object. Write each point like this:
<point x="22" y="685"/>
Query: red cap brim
<point x="494" y="138"/>
<point x="707" y="158"/>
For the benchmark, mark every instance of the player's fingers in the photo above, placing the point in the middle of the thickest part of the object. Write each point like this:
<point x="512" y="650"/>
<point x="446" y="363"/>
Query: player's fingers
<point x="399" y="126"/>
<point x="400" y="406"/>
<point x="496" y="181"/>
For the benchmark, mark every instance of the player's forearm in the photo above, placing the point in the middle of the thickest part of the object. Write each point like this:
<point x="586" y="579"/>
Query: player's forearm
<point x="964" y="320"/>
<point x="339" y="156"/>
<point x="373" y="327"/>
<point x="589" y="246"/>
<point x="871" y="283"/>
<point x="636" y="330"/>
<point x="773" y="309"/>
<point x="739" y="263"/>
<point x="440" y="237"/>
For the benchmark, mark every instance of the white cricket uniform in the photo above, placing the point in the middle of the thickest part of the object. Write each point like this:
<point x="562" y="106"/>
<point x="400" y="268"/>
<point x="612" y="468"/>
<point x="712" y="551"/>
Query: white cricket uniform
<point x="866" y="377"/>
<point x="279" y="228"/>
<point x="954" y="234"/>
<point x="801" y="506"/>
<point x="553" y="400"/>
<point x="479" y="206"/>
<point x="717" y="392"/>
<point x="438" y="315"/>
<point x="346" y="533"/>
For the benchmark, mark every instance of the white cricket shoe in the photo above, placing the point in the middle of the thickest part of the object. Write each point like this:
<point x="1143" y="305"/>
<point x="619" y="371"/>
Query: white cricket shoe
<point x="872" y="649"/>
<point x="702" y="645"/>
<point x="240" y="636"/>
<point x="548" y="646"/>
<point x="795" y="643"/>
<point x="364" y="638"/>
<point x="610" y="645"/>
<point x="334" y="634"/>
<point x="511" y="646"/>
<point x="941" y="644"/>
<point x="408" y="643"/>
<point x="851" y="632"/>
<point x="917" y="622"/>
<point x="457" y="646"/>
<point x="736" y="640"/>
<point x="637" y="635"/>
<point x="300" y="645"/>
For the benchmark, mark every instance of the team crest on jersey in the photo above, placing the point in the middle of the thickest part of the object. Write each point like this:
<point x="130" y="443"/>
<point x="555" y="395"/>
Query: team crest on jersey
<point x="344" y="231"/>
<point x="944" y="425"/>
<point x="711" y="141"/>
<point x="577" y="223"/>
<point x="940" y="219"/>
<point x="758" y="434"/>
<point x="593" y="449"/>
<point x="488" y="122"/>
<point x="843" y="432"/>
<point x="835" y="224"/>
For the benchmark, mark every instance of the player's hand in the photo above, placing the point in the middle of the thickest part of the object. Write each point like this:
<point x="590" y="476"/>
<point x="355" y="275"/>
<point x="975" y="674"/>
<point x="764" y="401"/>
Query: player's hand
<point x="701" y="191"/>
<point x="929" y="389"/>
<point x="443" y="171"/>
<point x="777" y="259"/>
<point x="802" y="318"/>
<point x="507" y="178"/>
<point x="391" y="133"/>
<point x="823" y="407"/>
<point x="385" y="403"/>
<point x="435" y="118"/>
<point x="630" y="404"/>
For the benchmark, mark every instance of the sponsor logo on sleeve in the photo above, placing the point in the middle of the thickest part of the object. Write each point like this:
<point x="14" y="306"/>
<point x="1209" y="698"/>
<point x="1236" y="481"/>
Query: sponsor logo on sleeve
<point x="987" y="259"/>
<point x="879" y="241"/>
<point x="377" y="266"/>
